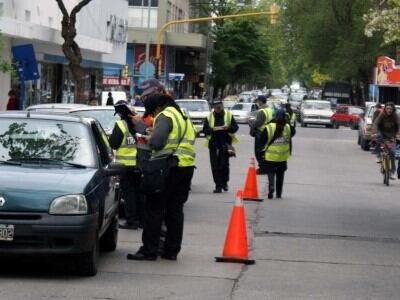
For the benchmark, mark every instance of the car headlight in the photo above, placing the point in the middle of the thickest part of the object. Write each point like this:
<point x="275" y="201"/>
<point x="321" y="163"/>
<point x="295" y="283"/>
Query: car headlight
<point x="69" y="205"/>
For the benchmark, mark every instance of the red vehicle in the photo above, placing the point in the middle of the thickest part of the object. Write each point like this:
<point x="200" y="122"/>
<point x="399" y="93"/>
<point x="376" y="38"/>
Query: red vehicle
<point x="346" y="115"/>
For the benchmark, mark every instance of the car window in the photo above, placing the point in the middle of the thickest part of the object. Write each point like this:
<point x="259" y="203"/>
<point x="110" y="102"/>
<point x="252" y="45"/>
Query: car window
<point x="105" y="117"/>
<point x="317" y="105"/>
<point x="103" y="148"/>
<point x="356" y="110"/>
<point x="342" y="110"/>
<point x="241" y="106"/>
<point x="194" y="105"/>
<point x="28" y="139"/>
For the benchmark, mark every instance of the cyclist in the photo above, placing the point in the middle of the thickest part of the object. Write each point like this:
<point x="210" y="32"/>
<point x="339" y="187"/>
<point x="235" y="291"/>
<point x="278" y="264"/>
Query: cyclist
<point x="386" y="126"/>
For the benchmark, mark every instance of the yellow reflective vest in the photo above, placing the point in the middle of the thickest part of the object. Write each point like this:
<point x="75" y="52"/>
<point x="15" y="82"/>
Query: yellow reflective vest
<point x="268" y="117"/>
<point x="185" y="151"/>
<point x="279" y="150"/>
<point x="227" y="122"/>
<point x="127" y="151"/>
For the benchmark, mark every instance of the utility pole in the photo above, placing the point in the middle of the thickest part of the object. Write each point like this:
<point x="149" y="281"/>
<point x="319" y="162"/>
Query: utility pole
<point x="147" y="61"/>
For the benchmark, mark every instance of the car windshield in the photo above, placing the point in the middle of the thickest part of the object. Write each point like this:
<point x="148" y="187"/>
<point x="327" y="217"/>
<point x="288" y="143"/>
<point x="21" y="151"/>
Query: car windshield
<point x="355" y="110"/>
<point x="106" y="118"/>
<point x="191" y="105"/>
<point x="241" y="106"/>
<point x="317" y="106"/>
<point x="41" y="140"/>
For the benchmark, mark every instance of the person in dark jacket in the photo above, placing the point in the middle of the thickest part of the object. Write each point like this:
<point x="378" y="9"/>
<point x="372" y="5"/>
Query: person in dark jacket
<point x="110" y="99"/>
<point x="219" y="128"/>
<point x="12" y="100"/>
<point x="386" y="126"/>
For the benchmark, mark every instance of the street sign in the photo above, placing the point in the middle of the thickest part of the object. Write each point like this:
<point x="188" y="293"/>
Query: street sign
<point x="176" y="76"/>
<point x="25" y="60"/>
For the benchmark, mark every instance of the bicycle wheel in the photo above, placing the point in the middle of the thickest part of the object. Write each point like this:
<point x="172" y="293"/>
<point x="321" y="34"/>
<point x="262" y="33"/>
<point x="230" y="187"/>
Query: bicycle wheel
<point x="387" y="169"/>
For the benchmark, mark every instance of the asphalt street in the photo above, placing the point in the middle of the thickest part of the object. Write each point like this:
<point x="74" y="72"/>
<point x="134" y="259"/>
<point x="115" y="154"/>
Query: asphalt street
<point x="335" y="234"/>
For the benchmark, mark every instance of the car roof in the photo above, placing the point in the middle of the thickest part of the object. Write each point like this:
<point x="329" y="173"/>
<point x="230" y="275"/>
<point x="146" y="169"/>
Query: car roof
<point x="61" y="106"/>
<point x="44" y="116"/>
<point x="86" y="108"/>
<point x="192" y="100"/>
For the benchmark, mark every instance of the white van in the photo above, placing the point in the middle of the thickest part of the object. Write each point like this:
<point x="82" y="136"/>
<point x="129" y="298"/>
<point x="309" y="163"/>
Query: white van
<point x="117" y="95"/>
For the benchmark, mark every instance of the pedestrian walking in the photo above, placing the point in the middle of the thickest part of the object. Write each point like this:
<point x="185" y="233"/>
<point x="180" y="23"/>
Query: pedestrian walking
<point x="12" y="103"/>
<point x="277" y="152"/>
<point x="123" y="140"/>
<point x="263" y="117"/>
<point x="172" y="139"/>
<point x="219" y="128"/>
<point x="110" y="99"/>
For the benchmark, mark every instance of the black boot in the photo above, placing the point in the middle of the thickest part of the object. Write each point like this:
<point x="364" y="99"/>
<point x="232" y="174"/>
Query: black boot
<point x="271" y="194"/>
<point x="217" y="190"/>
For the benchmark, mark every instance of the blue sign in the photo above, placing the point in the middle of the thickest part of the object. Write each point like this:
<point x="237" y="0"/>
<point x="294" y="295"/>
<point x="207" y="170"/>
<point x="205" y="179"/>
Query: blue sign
<point x="25" y="60"/>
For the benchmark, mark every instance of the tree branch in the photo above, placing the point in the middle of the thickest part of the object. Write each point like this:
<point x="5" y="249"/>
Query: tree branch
<point x="62" y="8"/>
<point x="78" y="7"/>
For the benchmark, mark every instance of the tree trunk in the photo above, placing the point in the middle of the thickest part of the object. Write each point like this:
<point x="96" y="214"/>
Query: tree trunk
<point x="71" y="49"/>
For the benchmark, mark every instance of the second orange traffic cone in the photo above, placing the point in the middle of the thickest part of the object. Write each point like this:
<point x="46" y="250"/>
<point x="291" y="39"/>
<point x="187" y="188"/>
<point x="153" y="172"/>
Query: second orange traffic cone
<point x="250" y="190"/>
<point x="235" y="248"/>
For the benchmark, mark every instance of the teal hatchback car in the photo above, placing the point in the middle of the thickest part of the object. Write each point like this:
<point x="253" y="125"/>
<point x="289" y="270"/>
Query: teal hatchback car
<point x="58" y="187"/>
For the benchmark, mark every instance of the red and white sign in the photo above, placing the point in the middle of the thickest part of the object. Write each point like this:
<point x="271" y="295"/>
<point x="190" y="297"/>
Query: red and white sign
<point x="110" y="80"/>
<point x="387" y="72"/>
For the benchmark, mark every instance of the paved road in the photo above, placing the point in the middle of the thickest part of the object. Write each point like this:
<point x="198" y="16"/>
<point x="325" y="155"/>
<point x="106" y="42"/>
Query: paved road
<point x="334" y="235"/>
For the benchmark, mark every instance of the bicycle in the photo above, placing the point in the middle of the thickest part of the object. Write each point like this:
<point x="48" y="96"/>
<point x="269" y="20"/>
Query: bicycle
<point x="386" y="161"/>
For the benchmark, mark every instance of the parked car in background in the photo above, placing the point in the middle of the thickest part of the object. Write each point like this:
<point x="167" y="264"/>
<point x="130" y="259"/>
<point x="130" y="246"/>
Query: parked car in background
<point x="198" y="110"/>
<point x="242" y="111"/>
<point x="58" y="188"/>
<point x="316" y="112"/>
<point x="247" y="97"/>
<point x="55" y="107"/>
<point x="346" y="115"/>
<point x="229" y="104"/>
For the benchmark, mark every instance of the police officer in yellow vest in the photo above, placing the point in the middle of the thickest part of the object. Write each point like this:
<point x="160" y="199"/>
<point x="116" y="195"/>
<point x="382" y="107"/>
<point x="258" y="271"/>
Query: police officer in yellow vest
<point x="219" y="128"/>
<point x="172" y="133"/>
<point x="122" y="139"/>
<point x="277" y="152"/>
<point x="263" y="117"/>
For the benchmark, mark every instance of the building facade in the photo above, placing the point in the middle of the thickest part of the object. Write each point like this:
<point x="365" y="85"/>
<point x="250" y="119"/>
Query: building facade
<point x="102" y="33"/>
<point x="182" y="51"/>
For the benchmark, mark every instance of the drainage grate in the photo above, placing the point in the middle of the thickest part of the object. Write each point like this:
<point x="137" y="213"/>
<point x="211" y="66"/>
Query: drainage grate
<point x="327" y="237"/>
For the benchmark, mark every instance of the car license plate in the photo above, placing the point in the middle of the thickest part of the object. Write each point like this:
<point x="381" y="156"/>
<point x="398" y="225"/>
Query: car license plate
<point x="6" y="232"/>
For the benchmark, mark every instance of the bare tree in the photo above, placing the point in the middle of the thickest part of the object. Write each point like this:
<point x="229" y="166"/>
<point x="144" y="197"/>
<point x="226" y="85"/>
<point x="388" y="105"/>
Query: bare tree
<point x="70" y="48"/>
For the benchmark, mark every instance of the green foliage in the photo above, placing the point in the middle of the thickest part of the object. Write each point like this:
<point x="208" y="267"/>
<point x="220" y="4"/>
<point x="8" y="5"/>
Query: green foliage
<point x="240" y="55"/>
<point x="5" y="65"/>
<point x="328" y="36"/>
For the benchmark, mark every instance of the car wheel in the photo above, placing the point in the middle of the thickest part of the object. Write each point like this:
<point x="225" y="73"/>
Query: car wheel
<point x="109" y="240"/>
<point x="359" y="139"/>
<point x="364" y="144"/>
<point x="86" y="263"/>
<point x="335" y="125"/>
<point x="329" y="126"/>
<point x="353" y="126"/>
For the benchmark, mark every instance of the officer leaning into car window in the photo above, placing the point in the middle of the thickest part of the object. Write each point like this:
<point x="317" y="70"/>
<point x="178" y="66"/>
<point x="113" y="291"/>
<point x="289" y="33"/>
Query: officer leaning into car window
<point x="257" y="127"/>
<point x="170" y="125"/>
<point x="219" y="128"/>
<point x="123" y="140"/>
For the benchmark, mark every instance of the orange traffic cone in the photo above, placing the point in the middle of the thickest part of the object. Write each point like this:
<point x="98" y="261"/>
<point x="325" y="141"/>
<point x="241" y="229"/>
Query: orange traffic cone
<point x="235" y="248"/>
<point x="250" y="192"/>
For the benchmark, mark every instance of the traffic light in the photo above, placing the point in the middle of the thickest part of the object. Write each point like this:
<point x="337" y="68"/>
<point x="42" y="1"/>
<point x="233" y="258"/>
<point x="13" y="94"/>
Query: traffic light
<point x="125" y="72"/>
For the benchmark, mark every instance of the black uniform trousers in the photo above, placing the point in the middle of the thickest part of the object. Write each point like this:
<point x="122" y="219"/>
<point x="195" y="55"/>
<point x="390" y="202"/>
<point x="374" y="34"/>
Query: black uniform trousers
<point x="276" y="170"/>
<point x="219" y="159"/>
<point x="167" y="206"/>
<point x="134" y="206"/>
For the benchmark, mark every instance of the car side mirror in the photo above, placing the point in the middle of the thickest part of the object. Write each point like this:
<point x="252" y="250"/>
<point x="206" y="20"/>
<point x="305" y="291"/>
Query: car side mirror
<point x="113" y="169"/>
